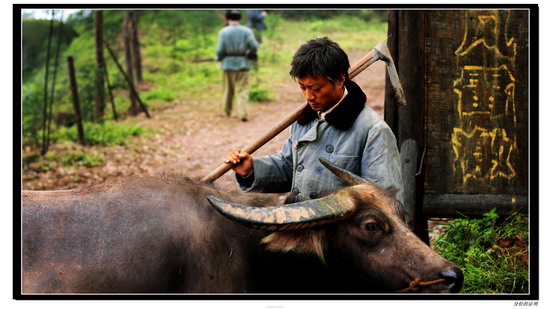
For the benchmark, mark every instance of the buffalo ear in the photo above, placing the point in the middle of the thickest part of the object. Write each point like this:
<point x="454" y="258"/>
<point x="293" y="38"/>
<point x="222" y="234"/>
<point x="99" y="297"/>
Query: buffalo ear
<point x="302" y="241"/>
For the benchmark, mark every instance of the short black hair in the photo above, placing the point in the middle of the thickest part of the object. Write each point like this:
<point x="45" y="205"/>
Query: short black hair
<point x="320" y="56"/>
<point x="233" y="14"/>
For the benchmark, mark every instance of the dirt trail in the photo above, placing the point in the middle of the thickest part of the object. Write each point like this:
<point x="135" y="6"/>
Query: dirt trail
<point x="192" y="139"/>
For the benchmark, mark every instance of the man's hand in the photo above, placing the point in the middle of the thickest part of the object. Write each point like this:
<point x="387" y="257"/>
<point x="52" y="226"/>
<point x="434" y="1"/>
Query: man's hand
<point x="242" y="162"/>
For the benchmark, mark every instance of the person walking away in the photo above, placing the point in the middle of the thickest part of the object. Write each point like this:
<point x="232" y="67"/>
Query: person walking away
<point x="256" y="22"/>
<point x="336" y="125"/>
<point x="236" y="43"/>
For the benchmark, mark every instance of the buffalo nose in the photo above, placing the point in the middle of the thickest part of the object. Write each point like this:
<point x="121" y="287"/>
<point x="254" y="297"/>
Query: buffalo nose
<point x="453" y="278"/>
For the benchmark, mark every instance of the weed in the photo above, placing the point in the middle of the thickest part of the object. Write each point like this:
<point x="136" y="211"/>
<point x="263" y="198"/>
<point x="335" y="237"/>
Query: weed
<point x="260" y="94"/>
<point x="104" y="134"/>
<point x="492" y="254"/>
<point x="88" y="159"/>
<point x="70" y="158"/>
<point x="44" y="167"/>
<point x="160" y="94"/>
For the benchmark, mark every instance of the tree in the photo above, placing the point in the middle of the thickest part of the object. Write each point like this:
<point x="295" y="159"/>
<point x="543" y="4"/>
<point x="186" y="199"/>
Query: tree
<point x="129" y="26"/>
<point x="136" y="53"/>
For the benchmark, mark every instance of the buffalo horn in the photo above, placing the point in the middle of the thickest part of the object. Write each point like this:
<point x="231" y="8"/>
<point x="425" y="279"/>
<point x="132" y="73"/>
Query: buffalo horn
<point x="346" y="176"/>
<point x="291" y="216"/>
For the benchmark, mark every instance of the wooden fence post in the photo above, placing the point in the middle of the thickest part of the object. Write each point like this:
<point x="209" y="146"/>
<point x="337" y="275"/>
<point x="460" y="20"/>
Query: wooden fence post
<point x="76" y="101"/>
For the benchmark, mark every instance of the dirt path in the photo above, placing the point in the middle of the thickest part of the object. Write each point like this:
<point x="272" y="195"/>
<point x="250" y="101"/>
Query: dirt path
<point x="192" y="139"/>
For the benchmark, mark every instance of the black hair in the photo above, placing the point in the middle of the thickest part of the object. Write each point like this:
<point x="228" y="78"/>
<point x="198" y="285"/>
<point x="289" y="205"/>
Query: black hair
<point x="233" y="14"/>
<point x="320" y="56"/>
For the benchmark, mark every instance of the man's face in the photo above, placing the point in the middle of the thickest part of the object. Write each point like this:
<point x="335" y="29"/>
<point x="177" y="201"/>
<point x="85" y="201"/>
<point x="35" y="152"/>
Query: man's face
<point x="320" y="93"/>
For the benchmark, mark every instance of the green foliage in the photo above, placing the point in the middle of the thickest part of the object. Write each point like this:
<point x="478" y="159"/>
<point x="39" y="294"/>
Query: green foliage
<point x="81" y="20"/>
<point x="367" y="15"/>
<point x="71" y="158"/>
<point x="88" y="159"/>
<point x="35" y="43"/>
<point x="168" y="26"/>
<point x="104" y="134"/>
<point x="260" y="94"/>
<point x="159" y="94"/>
<point x="492" y="255"/>
<point x="32" y="98"/>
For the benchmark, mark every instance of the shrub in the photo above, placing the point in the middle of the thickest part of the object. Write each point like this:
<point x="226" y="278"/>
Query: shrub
<point x="88" y="159"/>
<point x="71" y="158"/>
<point x="492" y="255"/>
<point x="260" y="94"/>
<point x="104" y="134"/>
<point x="161" y="94"/>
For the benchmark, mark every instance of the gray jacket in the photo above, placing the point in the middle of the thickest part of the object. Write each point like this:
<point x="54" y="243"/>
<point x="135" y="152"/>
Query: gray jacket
<point x="235" y="42"/>
<point x="353" y="136"/>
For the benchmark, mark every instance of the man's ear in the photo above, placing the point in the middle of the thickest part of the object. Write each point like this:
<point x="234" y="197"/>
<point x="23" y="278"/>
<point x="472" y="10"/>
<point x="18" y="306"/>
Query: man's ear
<point x="299" y="241"/>
<point x="342" y="80"/>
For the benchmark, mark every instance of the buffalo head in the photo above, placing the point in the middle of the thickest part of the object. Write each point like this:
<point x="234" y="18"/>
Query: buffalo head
<point x="358" y="230"/>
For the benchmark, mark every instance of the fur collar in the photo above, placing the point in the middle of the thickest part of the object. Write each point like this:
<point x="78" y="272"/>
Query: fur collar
<point x="344" y="115"/>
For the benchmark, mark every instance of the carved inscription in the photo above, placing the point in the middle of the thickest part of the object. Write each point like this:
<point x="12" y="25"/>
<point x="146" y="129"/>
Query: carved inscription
<point x="485" y="90"/>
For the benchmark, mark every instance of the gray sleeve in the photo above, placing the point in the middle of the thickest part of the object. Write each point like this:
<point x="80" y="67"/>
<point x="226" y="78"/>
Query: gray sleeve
<point x="273" y="173"/>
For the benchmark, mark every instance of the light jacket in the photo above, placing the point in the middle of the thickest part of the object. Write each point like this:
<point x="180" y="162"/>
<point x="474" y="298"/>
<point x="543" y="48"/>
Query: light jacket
<point x="353" y="136"/>
<point x="235" y="42"/>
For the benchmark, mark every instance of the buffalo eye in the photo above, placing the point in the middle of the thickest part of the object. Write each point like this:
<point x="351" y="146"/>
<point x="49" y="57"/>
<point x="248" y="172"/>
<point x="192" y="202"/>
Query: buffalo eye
<point x="371" y="227"/>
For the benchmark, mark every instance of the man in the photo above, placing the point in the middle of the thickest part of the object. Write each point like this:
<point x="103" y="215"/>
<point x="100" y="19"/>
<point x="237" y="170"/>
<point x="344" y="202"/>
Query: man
<point x="256" y="22"/>
<point x="235" y="44"/>
<point x="336" y="124"/>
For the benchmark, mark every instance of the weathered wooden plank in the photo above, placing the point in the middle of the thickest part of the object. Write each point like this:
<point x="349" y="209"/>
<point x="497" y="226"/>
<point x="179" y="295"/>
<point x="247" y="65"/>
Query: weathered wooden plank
<point x="406" y="42"/>
<point x="477" y="102"/>
<point x="453" y="205"/>
<point x="408" y="168"/>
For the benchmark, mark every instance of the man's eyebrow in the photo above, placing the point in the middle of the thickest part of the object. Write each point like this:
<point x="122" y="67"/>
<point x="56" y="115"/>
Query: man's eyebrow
<point x="316" y="84"/>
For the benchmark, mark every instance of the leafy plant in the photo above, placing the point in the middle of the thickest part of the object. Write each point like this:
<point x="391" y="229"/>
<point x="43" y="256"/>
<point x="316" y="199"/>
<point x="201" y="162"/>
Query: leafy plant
<point x="259" y="94"/>
<point x="70" y="158"/>
<point x="160" y="94"/>
<point x="492" y="254"/>
<point x="104" y="134"/>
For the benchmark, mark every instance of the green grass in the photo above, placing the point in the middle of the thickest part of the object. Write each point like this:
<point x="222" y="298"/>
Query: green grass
<point x="159" y="94"/>
<point x="491" y="253"/>
<point x="71" y="158"/>
<point x="107" y="133"/>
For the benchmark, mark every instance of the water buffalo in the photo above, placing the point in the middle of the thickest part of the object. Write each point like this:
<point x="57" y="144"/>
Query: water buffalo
<point x="161" y="234"/>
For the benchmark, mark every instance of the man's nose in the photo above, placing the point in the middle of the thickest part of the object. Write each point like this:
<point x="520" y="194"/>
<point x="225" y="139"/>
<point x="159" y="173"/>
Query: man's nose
<point x="310" y="96"/>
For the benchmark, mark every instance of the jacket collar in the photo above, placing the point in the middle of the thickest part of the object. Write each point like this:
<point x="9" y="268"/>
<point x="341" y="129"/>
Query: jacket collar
<point x="344" y="115"/>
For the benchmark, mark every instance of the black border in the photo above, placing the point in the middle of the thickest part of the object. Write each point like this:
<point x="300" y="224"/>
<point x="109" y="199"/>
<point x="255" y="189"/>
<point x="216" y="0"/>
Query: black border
<point x="534" y="282"/>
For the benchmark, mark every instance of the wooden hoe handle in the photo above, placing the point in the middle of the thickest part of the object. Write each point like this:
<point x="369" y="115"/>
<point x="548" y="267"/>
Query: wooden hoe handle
<point x="357" y="68"/>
